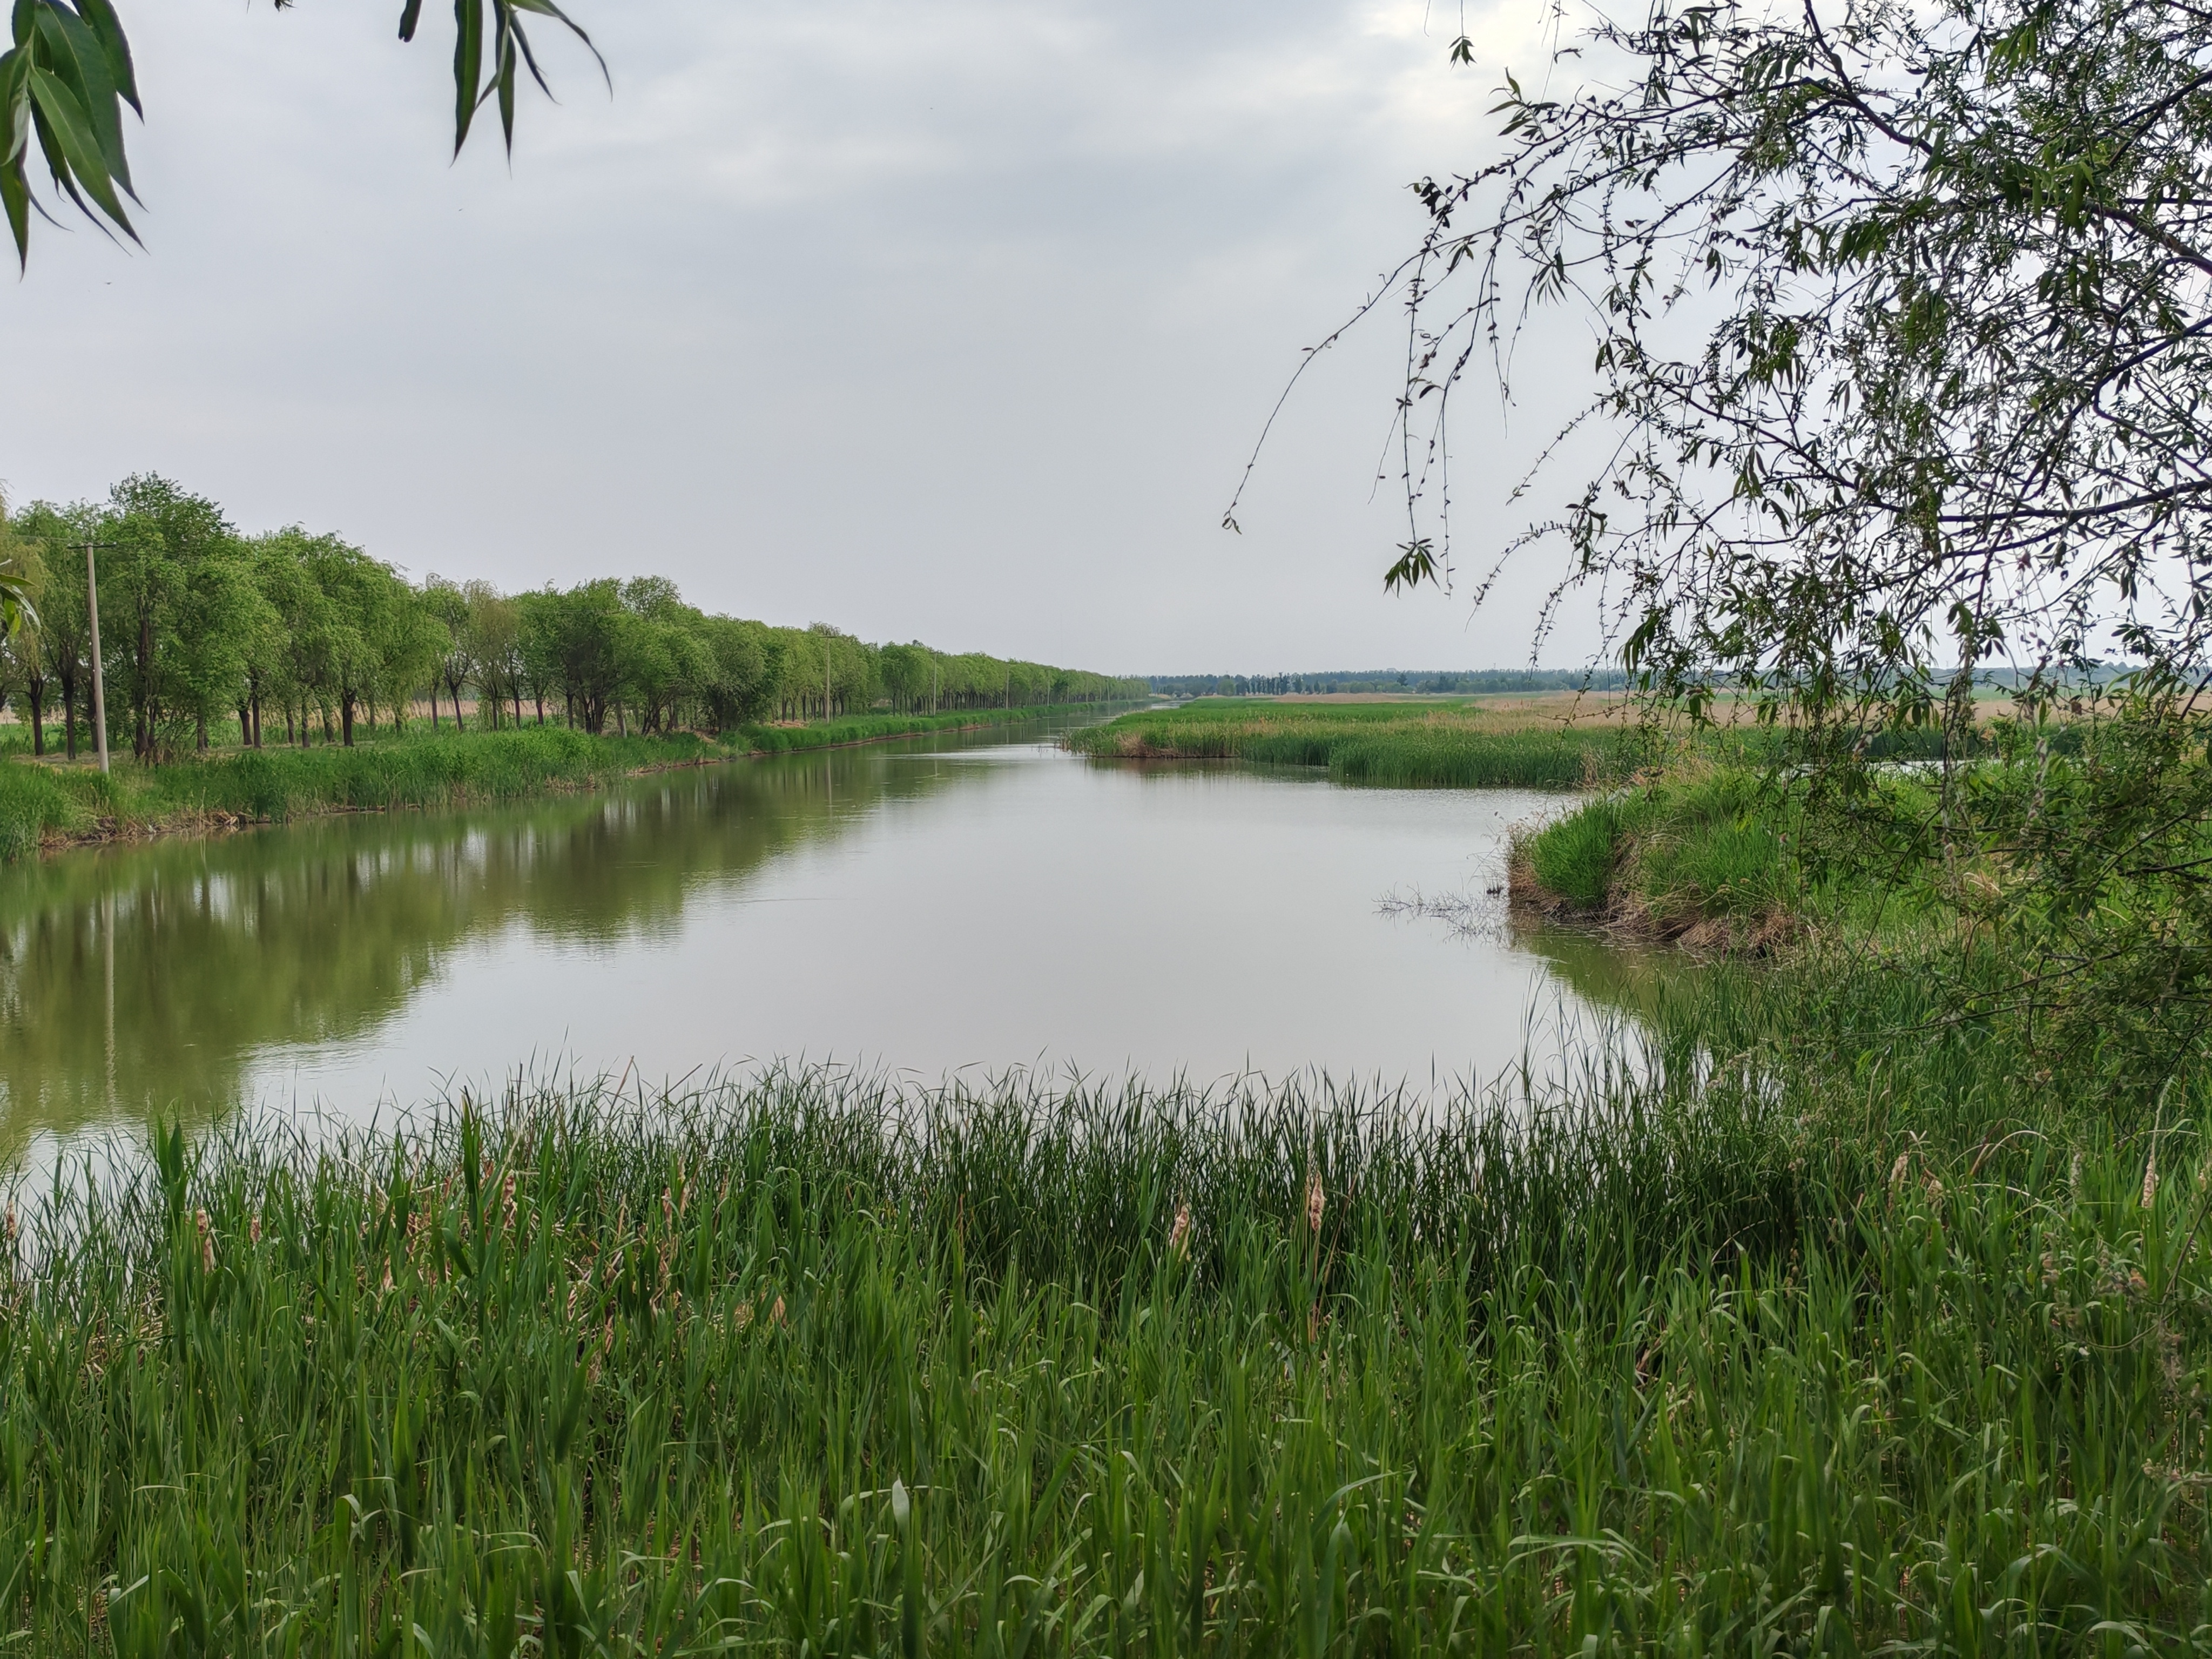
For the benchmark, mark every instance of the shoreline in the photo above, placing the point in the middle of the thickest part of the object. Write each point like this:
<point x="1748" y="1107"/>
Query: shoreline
<point x="54" y="841"/>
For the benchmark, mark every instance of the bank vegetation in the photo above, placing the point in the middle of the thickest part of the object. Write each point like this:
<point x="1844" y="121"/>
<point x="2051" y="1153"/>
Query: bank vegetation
<point x="235" y="785"/>
<point x="1779" y="1341"/>
<point x="1463" y="746"/>
<point x="299" y="638"/>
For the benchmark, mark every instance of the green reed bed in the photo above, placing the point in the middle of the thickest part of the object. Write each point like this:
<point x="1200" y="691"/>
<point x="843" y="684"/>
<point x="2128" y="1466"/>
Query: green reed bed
<point x="1697" y="843"/>
<point x="876" y="728"/>
<point x="1750" y="1356"/>
<point x="34" y="803"/>
<point x="1726" y="844"/>
<point x="1405" y="746"/>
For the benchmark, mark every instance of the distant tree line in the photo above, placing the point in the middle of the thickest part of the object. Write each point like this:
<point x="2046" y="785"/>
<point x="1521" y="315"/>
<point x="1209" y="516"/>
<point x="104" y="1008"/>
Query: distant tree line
<point x="299" y="635"/>
<point x="1469" y="681"/>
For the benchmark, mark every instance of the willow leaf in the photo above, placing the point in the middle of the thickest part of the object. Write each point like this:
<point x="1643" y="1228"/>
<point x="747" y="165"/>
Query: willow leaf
<point x="15" y="199"/>
<point x="78" y="161"/>
<point x="74" y="54"/>
<point x="468" y="66"/>
<point x="100" y="18"/>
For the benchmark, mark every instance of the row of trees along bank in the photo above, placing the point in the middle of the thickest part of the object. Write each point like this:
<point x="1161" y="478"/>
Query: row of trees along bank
<point x="294" y="633"/>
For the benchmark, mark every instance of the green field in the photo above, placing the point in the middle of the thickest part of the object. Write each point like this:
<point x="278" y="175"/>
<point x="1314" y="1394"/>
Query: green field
<point x="1404" y="745"/>
<point x="45" y="805"/>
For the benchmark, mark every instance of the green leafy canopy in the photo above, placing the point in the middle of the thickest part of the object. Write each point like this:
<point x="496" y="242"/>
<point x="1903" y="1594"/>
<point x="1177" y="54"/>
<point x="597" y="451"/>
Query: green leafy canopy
<point x="68" y="74"/>
<point x="1902" y="320"/>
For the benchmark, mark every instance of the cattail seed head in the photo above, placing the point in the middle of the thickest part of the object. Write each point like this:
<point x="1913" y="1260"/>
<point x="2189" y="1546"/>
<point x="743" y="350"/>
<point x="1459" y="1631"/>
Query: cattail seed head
<point x="2150" y="1182"/>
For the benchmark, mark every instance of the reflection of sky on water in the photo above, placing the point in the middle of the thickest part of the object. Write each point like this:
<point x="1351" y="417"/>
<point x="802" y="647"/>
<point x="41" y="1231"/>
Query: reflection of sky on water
<point x="919" y="916"/>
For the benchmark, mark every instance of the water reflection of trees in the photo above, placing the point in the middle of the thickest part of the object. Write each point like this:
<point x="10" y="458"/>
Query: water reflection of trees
<point x="141" y="980"/>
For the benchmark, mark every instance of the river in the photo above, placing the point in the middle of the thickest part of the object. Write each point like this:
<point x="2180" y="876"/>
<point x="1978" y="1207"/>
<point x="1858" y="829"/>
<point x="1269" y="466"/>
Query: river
<point x="956" y="905"/>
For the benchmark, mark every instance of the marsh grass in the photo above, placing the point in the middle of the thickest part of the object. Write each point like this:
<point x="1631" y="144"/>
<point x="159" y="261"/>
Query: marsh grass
<point x="1760" y="1351"/>
<point x="46" y="802"/>
<point x="1574" y="857"/>
<point x="1391" y="745"/>
<point x="1702" y="851"/>
<point x="876" y="728"/>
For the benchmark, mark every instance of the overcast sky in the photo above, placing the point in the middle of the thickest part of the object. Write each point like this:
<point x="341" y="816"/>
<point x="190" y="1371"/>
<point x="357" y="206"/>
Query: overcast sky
<point x="953" y="320"/>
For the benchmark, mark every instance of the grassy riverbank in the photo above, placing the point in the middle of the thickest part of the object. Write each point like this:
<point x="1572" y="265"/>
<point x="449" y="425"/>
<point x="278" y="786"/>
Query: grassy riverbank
<point x="1395" y="745"/>
<point x="875" y="728"/>
<point x="1701" y="854"/>
<point x="1716" y="852"/>
<point x="1820" y="1340"/>
<point x="45" y="805"/>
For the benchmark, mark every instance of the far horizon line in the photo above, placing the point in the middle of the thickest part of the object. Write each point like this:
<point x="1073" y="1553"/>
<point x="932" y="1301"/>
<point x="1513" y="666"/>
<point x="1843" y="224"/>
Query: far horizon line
<point x="1392" y="675"/>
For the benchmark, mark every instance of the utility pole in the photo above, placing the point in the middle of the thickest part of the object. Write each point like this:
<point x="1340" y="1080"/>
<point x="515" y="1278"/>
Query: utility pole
<point x="98" y="679"/>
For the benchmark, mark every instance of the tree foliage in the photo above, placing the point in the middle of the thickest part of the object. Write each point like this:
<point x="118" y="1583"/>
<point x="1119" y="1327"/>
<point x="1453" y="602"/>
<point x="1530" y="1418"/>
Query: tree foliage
<point x="180" y="606"/>
<point x="1901" y="332"/>
<point x="202" y="624"/>
<point x="68" y="75"/>
<point x="55" y="652"/>
<point x="1903" y="326"/>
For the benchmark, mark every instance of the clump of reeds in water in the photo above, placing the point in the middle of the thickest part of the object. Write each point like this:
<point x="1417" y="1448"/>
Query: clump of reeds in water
<point x="807" y="1364"/>
<point x="1384" y="746"/>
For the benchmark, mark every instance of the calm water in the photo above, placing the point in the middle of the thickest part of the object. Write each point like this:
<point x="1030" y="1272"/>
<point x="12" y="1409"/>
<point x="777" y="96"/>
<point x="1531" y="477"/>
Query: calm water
<point x="919" y="908"/>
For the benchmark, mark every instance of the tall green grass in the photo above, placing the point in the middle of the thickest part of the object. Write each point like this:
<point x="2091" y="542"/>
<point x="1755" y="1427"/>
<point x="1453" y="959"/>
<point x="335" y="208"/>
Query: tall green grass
<point x="274" y="784"/>
<point x="1414" y="746"/>
<point x="35" y="801"/>
<point x="1575" y="856"/>
<point x="1763" y="1353"/>
<point x="1699" y="845"/>
<point x="876" y="728"/>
